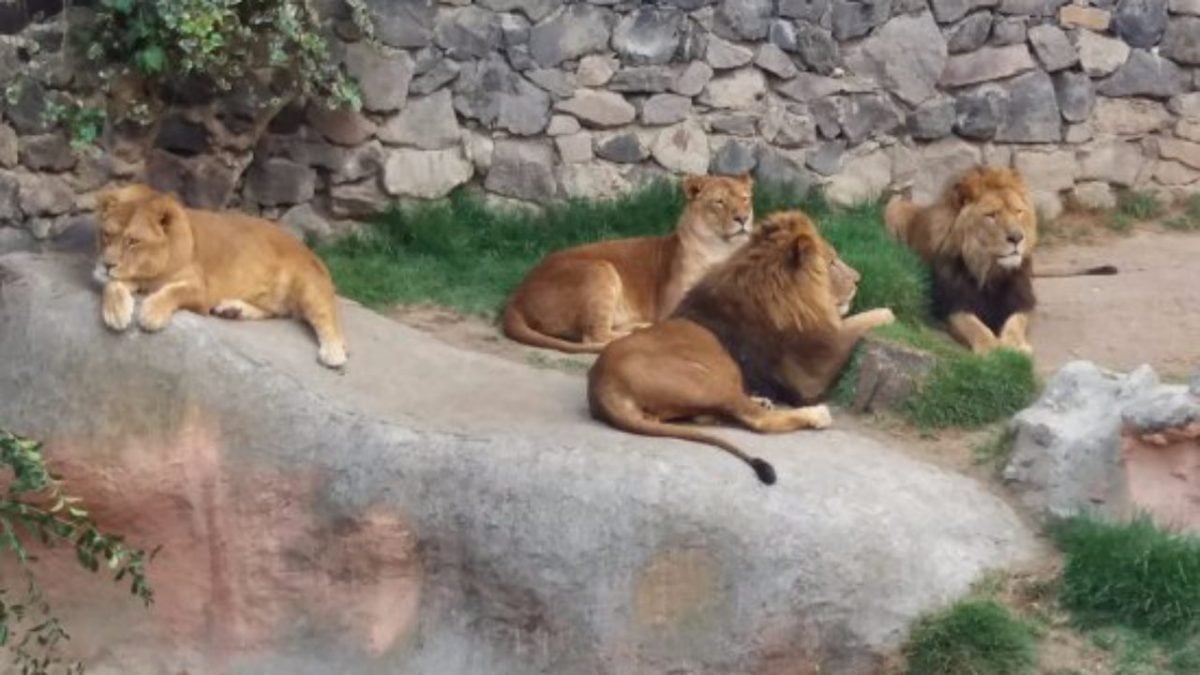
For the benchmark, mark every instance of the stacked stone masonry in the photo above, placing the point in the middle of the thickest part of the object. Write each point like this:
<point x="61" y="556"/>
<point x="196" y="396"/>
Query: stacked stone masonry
<point x="539" y="100"/>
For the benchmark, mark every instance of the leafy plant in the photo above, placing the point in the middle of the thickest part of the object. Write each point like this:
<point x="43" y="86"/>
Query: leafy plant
<point x="1133" y="207"/>
<point x="36" y="506"/>
<point x="976" y="636"/>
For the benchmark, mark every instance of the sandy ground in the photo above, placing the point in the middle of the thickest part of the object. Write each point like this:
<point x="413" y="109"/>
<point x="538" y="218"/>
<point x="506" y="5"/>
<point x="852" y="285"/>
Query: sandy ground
<point x="1148" y="313"/>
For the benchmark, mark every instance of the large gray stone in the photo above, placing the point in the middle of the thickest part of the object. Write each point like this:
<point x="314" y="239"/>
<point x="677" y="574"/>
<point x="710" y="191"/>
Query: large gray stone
<point x="777" y="168"/>
<point x="624" y="148"/>
<point x="808" y="10"/>
<point x="1140" y="23"/>
<point x="10" y="204"/>
<point x="44" y="195"/>
<point x="1053" y="48"/>
<point x="1075" y="95"/>
<point x="807" y="87"/>
<point x="682" y="148"/>
<point x="47" y="152"/>
<point x="1008" y="30"/>
<point x="826" y="158"/>
<point x="402" y="23"/>
<point x="970" y="33"/>
<point x="576" y="30"/>
<point x="494" y="94"/>
<point x="1032" y="115"/>
<point x="724" y="55"/>
<point x="1115" y="162"/>
<point x="783" y="125"/>
<point x="361" y="200"/>
<point x="1182" y="41"/>
<point x="693" y="79"/>
<point x="733" y="158"/>
<point x="863" y="179"/>
<point x="383" y="75"/>
<point x="536" y="10"/>
<point x="279" y="182"/>
<point x="775" y="61"/>
<point x="1100" y="55"/>
<point x="932" y="120"/>
<point x="428" y="123"/>
<point x="334" y="505"/>
<point x="855" y="18"/>
<point x="441" y="74"/>
<point x="662" y="109"/>
<point x="649" y="35"/>
<point x="524" y="170"/>
<point x="426" y="174"/>
<point x="907" y="56"/>
<point x="942" y="163"/>
<point x="560" y="84"/>
<point x="643" y="79"/>
<point x="739" y="89"/>
<point x="989" y="63"/>
<point x="869" y="115"/>
<point x="978" y="113"/>
<point x="598" y="108"/>
<point x="340" y="125"/>
<point x="9" y="147"/>
<point x="745" y="19"/>
<point x="469" y="32"/>
<point x="817" y="48"/>
<point x="1143" y="74"/>
<point x="1067" y="457"/>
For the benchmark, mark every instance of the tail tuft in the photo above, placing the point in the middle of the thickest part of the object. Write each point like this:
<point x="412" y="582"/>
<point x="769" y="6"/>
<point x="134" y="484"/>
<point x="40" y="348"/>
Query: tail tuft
<point x="764" y="470"/>
<point x="1102" y="270"/>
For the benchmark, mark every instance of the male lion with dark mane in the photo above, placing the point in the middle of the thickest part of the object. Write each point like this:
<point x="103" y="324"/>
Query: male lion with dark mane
<point x="580" y="299"/>
<point x="228" y="264"/>
<point x="767" y="322"/>
<point x="978" y="241"/>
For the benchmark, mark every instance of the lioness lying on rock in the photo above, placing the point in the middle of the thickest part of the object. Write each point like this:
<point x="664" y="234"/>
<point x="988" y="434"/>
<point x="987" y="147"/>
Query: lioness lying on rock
<point x="580" y="299"/>
<point x="228" y="264"/>
<point x="768" y="321"/>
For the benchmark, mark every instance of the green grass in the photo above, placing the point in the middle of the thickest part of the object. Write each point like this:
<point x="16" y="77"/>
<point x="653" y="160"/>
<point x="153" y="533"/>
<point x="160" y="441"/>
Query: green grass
<point x="465" y="255"/>
<point x="1133" y="207"/>
<point x="1132" y="574"/>
<point x="973" y="637"/>
<point x="1189" y="220"/>
<point x="996" y="449"/>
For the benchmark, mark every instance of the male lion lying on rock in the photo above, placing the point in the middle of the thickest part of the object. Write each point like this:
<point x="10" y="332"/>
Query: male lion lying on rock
<point x="581" y="298"/>
<point x="768" y="321"/>
<point x="228" y="264"/>
<point x="978" y="241"/>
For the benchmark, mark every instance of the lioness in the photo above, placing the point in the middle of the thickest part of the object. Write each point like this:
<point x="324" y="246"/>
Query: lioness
<point x="768" y="322"/>
<point x="227" y="264"/>
<point x="580" y="299"/>
<point x="978" y="241"/>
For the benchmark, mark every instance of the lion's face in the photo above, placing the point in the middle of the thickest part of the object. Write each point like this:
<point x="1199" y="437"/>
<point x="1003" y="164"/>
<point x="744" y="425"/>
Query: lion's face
<point x="719" y="209"/>
<point x="996" y="224"/>
<point x="843" y="282"/>
<point x="139" y="235"/>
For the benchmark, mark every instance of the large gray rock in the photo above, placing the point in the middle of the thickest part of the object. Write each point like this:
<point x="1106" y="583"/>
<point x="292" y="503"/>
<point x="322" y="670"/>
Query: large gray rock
<point x="682" y="148"/>
<point x="648" y="35"/>
<point x="744" y="19"/>
<point x="933" y="120"/>
<point x="941" y="164"/>
<point x="598" y="108"/>
<point x="1100" y="55"/>
<point x="777" y="168"/>
<point x="865" y="116"/>
<point x="575" y="31"/>
<point x="428" y="123"/>
<point x="739" y="89"/>
<point x="970" y="33"/>
<point x="44" y="195"/>
<point x="662" y="109"/>
<point x="1140" y="23"/>
<point x="1068" y="456"/>
<point x="1032" y="115"/>
<point x="279" y="182"/>
<point x="469" y="32"/>
<point x="1143" y="74"/>
<point x="10" y="205"/>
<point x="1008" y="30"/>
<point x="817" y="48"/>
<point x="524" y="170"/>
<point x="624" y="148"/>
<point x="325" y="513"/>
<point x="979" y="112"/>
<point x="775" y="61"/>
<point x="643" y="79"/>
<point x="47" y="152"/>
<point x="1182" y="41"/>
<point x="808" y="10"/>
<point x="989" y="63"/>
<point x="724" y="55"/>
<point x="1053" y="48"/>
<point x="536" y="10"/>
<point x="425" y="174"/>
<point x="907" y="56"/>
<point x="733" y="158"/>
<point x="855" y="18"/>
<point x="1075" y="95"/>
<point x="9" y="147"/>
<point x="497" y="96"/>
<point x="383" y="75"/>
<point x="402" y="23"/>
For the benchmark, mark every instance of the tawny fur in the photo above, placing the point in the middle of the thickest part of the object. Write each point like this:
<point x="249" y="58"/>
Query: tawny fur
<point x="224" y="263"/>
<point x="580" y="299"/>
<point x="778" y="297"/>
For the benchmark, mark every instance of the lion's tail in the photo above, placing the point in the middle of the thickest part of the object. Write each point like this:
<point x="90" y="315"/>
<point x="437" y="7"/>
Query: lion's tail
<point x="1099" y="270"/>
<point x="517" y="328"/>
<point x="899" y="215"/>
<point x="624" y="414"/>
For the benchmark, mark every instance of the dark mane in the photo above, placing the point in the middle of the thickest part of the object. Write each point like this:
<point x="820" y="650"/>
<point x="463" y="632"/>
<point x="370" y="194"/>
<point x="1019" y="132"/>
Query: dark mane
<point x="955" y="289"/>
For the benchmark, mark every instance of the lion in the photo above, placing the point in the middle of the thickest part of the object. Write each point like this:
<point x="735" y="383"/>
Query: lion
<point x="227" y="264"/>
<point x="767" y="322"/>
<point x="579" y="299"/>
<point x="978" y="241"/>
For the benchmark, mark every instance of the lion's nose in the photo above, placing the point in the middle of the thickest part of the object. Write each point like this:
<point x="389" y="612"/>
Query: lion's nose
<point x="1016" y="237"/>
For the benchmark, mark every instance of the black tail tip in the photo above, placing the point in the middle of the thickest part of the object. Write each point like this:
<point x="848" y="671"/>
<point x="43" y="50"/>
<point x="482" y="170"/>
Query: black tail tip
<point x="1103" y="270"/>
<point x="764" y="471"/>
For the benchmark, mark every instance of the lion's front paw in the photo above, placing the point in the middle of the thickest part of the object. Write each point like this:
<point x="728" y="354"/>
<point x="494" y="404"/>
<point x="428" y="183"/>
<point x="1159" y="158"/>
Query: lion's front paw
<point x="882" y="317"/>
<point x="820" y="416"/>
<point x="763" y="402"/>
<point x="117" y="307"/>
<point x="154" y="317"/>
<point x="332" y="355"/>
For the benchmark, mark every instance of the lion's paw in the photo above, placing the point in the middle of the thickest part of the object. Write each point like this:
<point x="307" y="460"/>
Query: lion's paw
<point x="763" y="402"/>
<point x="883" y="316"/>
<point x="820" y="416"/>
<point x="153" y="318"/>
<point x="332" y="355"/>
<point x="117" y="308"/>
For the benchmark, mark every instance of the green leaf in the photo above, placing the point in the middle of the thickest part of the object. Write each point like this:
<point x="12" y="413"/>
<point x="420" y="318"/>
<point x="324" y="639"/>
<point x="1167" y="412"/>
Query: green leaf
<point x="151" y="59"/>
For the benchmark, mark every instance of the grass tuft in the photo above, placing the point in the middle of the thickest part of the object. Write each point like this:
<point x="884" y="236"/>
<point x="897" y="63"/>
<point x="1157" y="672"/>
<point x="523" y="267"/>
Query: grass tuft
<point x="966" y="390"/>
<point x="980" y="637"/>
<point x="1130" y="574"/>
<point x="1134" y="207"/>
<point x="1189" y="220"/>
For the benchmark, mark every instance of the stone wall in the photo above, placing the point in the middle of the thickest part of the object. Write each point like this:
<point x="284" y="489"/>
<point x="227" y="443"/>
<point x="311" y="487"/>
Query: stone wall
<point x="536" y="100"/>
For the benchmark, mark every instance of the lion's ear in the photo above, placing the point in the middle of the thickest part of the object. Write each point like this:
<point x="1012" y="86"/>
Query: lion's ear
<point x="969" y="187"/>
<point x="802" y="249"/>
<point x="165" y="213"/>
<point x="746" y="179"/>
<point x="693" y="185"/>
